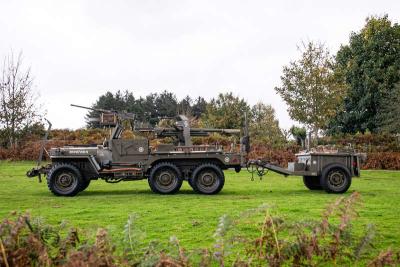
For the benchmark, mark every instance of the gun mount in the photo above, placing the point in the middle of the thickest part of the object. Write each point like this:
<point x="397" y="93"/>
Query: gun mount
<point x="183" y="132"/>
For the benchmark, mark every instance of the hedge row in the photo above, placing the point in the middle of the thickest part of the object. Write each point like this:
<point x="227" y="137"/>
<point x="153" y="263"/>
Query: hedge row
<point x="383" y="151"/>
<point x="365" y="142"/>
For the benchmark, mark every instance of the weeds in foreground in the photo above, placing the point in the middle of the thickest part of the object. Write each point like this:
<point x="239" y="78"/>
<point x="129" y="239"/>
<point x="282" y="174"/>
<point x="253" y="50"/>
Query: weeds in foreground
<point x="28" y="241"/>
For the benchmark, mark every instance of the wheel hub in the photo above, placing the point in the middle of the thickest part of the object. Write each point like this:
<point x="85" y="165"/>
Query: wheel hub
<point x="207" y="179"/>
<point x="165" y="178"/>
<point x="65" y="180"/>
<point x="336" y="179"/>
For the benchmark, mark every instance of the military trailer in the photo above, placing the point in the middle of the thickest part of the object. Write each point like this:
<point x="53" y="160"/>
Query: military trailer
<point x="165" y="167"/>
<point x="331" y="171"/>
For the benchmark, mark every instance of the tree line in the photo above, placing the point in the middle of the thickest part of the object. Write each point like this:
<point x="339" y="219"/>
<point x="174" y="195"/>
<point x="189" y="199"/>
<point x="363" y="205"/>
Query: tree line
<point x="355" y="90"/>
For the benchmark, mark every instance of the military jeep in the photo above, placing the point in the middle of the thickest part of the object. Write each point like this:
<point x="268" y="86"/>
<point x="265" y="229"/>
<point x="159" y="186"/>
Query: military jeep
<point x="165" y="166"/>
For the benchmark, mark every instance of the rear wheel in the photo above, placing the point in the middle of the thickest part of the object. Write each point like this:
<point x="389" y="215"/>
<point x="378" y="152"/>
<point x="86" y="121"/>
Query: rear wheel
<point x="64" y="180"/>
<point x="165" y="178"/>
<point x="207" y="179"/>
<point x="312" y="182"/>
<point x="335" y="179"/>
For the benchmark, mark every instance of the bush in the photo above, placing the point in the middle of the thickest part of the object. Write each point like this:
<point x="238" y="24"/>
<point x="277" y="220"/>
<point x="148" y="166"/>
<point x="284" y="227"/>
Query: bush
<point x="367" y="142"/>
<point x="383" y="161"/>
<point x="331" y="241"/>
<point x="276" y="156"/>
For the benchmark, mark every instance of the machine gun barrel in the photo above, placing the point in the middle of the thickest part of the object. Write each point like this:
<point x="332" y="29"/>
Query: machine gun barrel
<point x="122" y="115"/>
<point x="211" y="130"/>
<point x="193" y="131"/>
<point x="95" y="109"/>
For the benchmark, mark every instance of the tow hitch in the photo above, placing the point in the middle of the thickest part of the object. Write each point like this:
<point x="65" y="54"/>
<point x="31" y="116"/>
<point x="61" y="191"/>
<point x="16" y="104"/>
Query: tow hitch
<point x="39" y="170"/>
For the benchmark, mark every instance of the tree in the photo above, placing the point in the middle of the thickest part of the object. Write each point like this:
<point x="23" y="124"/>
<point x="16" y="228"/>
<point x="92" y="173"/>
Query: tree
<point x="226" y="111"/>
<point x="299" y="134"/>
<point x="17" y="100"/>
<point x="166" y="104"/>
<point x="264" y="127"/>
<point x="370" y="64"/>
<point x="199" y="107"/>
<point x="311" y="88"/>
<point x="149" y="109"/>
<point x="185" y="106"/>
<point x="389" y="117"/>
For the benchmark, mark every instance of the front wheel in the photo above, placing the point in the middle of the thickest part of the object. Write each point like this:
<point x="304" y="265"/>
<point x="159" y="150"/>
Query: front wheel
<point x="165" y="178"/>
<point x="207" y="179"/>
<point x="335" y="179"/>
<point x="64" y="180"/>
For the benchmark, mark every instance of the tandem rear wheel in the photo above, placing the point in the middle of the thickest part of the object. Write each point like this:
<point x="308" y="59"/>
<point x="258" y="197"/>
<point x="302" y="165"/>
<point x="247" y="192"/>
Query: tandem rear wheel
<point x="165" y="178"/>
<point x="207" y="179"/>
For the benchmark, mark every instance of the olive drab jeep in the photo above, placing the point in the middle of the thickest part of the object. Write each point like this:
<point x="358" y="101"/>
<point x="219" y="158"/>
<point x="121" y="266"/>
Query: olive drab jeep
<point x="166" y="166"/>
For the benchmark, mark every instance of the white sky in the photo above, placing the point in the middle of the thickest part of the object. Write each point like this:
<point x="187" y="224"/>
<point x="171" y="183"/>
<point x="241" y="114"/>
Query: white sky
<point x="78" y="50"/>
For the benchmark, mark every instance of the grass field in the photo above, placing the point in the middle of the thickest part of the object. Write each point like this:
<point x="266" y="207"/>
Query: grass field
<point x="193" y="218"/>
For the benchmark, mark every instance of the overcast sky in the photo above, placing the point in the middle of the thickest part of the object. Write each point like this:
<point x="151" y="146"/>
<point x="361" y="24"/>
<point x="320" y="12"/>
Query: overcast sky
<point x="78" y="50"/>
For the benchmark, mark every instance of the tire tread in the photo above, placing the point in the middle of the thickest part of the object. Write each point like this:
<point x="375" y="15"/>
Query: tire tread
<point x="163" y="165"/>
<point x="57" y="167"/>
<point x="324" y="178"/>
<point x="205" y="166"/>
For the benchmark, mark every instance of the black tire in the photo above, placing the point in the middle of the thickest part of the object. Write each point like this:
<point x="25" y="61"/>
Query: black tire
<point x="64" y="180"/>
<point x="85" y="184"/>
<point x="165" y="178"/>
<point x="207" y="179"/>
<point x="335" y="179"/>
<point x="312" y="182"/>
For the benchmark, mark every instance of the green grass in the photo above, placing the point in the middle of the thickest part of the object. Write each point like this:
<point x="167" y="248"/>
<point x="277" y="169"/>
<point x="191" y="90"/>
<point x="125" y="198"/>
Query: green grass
<point x="191" y="217"/>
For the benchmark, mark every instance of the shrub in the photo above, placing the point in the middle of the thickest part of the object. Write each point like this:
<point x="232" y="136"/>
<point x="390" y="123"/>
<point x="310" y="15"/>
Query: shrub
<point x="383" y="160"/>
<point x="331" y="241"/>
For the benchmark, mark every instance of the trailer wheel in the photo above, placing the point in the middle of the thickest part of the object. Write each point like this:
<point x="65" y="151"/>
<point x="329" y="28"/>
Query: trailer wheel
<point x="165" y="178"/>
<point x="85" y="184"/>
<point x="336" y="179"/>
<point x="312" y="182"/>
<point x="207" y="179"/>
<point x="64" y="180"/>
